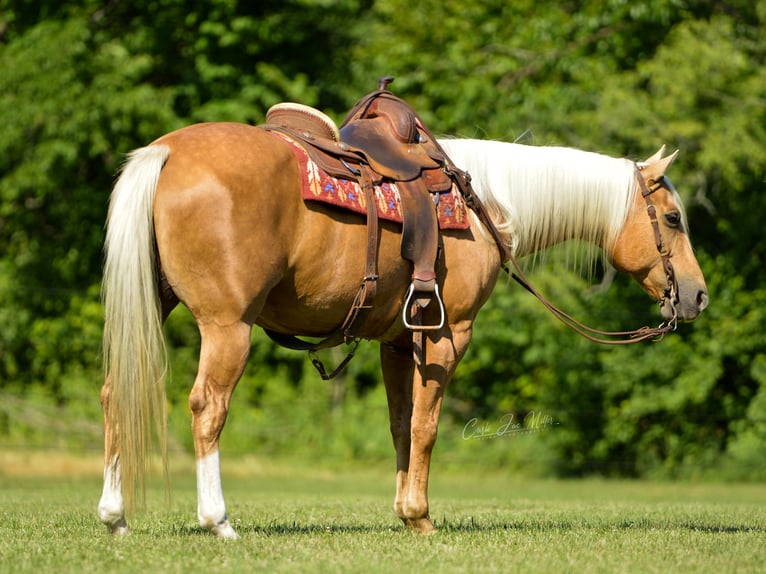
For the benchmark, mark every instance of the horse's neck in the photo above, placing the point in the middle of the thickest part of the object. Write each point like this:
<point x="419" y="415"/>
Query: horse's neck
<point x="545" y="195"/>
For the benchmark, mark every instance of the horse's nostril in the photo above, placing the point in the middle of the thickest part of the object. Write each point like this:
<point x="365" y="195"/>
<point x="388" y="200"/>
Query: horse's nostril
<point x="702" y="300"/>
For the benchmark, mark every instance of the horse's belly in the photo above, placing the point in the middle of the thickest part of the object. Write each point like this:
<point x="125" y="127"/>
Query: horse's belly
<point x="317" y="292"/>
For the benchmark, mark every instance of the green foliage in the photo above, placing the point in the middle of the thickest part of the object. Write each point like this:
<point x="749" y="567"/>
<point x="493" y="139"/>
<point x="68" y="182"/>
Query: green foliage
<point x="66" y="109"/>
<point x="85" y="82"/>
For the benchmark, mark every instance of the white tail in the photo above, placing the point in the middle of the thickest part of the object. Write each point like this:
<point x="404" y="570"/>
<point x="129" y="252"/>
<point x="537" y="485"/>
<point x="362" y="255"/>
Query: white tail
<point x="134" y="348"/>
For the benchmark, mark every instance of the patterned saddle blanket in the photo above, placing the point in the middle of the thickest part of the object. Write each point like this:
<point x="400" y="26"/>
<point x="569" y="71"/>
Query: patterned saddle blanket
<point x="318" y="185"/>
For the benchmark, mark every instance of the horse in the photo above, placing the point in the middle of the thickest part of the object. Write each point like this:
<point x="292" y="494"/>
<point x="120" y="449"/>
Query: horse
<point x="211" y="216"/>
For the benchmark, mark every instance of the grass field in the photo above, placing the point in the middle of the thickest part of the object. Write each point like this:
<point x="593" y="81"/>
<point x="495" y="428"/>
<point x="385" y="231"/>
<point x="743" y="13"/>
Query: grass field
<point x="298" y="519"/>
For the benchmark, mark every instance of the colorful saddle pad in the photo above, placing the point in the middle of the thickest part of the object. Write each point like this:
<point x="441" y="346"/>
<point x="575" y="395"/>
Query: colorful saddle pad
<point x="317" y="185"/>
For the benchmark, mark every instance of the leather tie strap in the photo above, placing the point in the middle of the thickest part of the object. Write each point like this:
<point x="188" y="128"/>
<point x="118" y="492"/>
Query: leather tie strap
<point x="369" y="286"/>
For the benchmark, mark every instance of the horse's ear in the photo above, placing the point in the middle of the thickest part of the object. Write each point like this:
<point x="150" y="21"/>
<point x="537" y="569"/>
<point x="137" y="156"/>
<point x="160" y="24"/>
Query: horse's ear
<point x="657" y="156"/>
<point x="656" y="169"/>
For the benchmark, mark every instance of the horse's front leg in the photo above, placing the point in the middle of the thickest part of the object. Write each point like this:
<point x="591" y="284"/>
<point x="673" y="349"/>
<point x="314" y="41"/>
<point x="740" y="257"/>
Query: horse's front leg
<point x="419" y="396"/>
<point x="223" y="355"/>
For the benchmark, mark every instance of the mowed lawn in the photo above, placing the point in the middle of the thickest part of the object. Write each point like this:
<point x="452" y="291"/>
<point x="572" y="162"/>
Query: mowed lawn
<point x="296" y="518"/>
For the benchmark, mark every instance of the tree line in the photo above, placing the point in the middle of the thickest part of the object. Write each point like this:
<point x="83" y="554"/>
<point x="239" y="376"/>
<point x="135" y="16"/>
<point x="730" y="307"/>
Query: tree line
<point x="83" y="83"/>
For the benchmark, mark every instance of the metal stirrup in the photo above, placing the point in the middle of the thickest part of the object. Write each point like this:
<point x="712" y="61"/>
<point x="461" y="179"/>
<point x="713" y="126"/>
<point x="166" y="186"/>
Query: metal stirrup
<point x="408" y="302"/>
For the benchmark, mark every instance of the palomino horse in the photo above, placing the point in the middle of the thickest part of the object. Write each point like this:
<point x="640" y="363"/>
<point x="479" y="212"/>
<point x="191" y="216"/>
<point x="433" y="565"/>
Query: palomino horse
<point x="212" y="216"/>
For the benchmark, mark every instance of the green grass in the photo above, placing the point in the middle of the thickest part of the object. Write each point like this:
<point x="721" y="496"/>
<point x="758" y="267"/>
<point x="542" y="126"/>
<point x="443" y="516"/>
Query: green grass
<point x="297" y="519"/>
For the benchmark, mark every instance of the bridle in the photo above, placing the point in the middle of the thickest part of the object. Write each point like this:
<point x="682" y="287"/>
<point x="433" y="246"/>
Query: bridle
<point x="671" y="290"/>
<point x="670" y="294"/>
<point x="463" y="181"/>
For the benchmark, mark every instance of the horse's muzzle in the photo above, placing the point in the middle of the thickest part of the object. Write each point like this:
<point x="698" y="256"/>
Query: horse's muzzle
<point x="691" y="302"/>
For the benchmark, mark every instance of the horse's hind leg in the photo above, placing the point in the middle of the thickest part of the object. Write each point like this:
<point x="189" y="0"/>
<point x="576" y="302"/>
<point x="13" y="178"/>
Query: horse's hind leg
<point x="223" y="355"/>
<point x="111" y="507"/>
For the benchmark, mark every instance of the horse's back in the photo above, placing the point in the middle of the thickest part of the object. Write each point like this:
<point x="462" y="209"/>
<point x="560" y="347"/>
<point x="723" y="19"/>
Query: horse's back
<point x="232" y="151"/>
<point x="237" y="241"/>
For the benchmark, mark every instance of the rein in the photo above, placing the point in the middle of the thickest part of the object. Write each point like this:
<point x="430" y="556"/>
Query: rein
<point x="596" y="335"/>
<point x="363" y="301"/>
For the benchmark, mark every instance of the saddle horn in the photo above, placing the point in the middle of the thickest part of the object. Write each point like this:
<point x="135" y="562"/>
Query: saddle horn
<point x="384" y="81"/>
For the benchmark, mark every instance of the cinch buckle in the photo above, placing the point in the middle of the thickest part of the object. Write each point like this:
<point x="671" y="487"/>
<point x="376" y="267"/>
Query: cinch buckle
<point x="408" y="302"/>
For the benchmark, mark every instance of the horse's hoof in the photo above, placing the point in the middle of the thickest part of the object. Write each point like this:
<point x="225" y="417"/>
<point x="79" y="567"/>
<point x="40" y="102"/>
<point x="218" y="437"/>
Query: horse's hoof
<point x="118" y="528"/>
<point x="224" y="531"/>
<point x="420" y="525"/>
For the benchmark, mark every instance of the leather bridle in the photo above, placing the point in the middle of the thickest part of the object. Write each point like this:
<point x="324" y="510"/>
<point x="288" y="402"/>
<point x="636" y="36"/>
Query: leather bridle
<point x="606" y="337"/>
<point x="671" y="290"/>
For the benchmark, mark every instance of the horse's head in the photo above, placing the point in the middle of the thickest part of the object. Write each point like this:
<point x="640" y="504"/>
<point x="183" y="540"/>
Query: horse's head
<point x="654" y="248"/>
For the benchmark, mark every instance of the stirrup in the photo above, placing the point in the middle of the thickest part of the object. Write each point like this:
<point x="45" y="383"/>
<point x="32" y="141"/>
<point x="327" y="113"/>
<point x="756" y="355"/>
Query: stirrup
<point x="407" y="303"/>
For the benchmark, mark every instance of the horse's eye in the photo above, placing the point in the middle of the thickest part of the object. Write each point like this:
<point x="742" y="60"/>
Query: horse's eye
<point x="673" y="219"/>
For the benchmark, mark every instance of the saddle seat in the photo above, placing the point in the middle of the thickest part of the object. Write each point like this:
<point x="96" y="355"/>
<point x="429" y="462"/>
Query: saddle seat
<point x="392" y="136"/>
<point x="381" y="131"/>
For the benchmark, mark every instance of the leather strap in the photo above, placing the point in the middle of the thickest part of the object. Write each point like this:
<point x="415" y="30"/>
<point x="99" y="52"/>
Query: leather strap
<point x="619" y="337"/>
<point x="420" y="235"/>
<point x="369" y="286"/>
<point x="360" y="308"/>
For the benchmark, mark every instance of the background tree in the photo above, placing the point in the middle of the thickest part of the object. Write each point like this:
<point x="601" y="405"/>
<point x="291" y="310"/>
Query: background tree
<point x="82" y="83"/>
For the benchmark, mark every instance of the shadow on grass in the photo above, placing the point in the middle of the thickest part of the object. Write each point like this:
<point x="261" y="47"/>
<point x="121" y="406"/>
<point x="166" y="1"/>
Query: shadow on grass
<point x="472" y="526"/>
<point x="292" y="529"/>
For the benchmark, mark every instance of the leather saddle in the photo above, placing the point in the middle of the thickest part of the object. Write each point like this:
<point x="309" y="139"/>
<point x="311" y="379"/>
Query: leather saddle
<point x="381" y="139"/>
<point x="392" y="137"/>
<point x="381" y="131"/>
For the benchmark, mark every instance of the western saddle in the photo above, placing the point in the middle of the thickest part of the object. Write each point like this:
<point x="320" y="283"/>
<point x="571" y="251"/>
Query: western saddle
<point x="381" y="139"/>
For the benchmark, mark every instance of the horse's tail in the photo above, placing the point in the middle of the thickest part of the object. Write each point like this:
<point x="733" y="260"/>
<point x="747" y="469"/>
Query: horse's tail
<point x="134" y="348"/>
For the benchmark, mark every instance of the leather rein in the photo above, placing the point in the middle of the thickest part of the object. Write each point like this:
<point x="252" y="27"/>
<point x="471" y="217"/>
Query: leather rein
<point x="596" y="335"/>
<point x="462" y="179"/>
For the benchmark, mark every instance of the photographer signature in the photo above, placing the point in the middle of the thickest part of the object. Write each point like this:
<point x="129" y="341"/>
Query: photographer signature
<point x="508" y="425"/>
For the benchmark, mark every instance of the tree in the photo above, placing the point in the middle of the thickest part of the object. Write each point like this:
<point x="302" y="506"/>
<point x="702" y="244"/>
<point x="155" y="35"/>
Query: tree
<point x="85" y="82"/>
<point x="621" y="79"/>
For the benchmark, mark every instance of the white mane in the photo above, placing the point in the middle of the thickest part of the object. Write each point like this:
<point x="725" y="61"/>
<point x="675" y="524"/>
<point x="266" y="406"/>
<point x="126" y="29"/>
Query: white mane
<point x="547" y="195"/>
